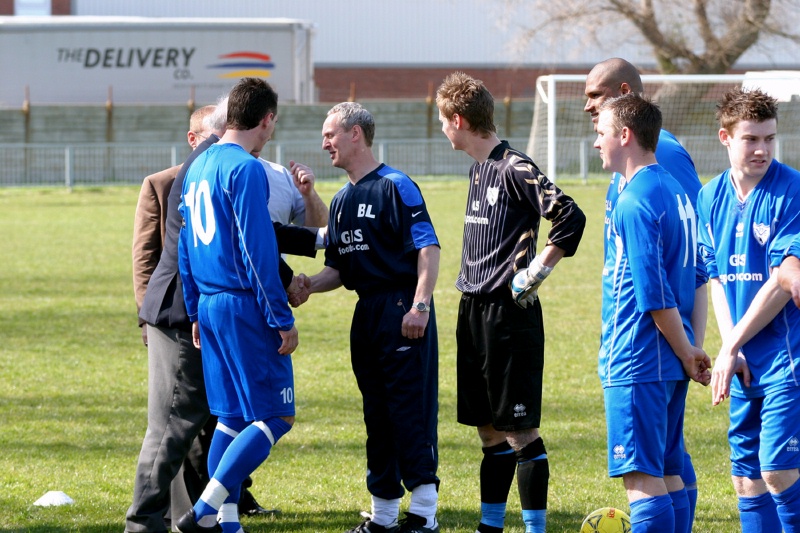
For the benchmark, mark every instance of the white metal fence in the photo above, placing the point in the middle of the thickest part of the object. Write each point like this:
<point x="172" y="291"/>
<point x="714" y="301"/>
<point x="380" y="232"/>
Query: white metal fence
<point x="128" y="163"/>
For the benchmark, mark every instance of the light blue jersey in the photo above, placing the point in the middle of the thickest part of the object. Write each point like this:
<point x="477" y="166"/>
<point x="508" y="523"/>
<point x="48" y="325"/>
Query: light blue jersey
<point x="739" y="242"/>
<point x="228" y="243"/>
<point x="650" y="264"/>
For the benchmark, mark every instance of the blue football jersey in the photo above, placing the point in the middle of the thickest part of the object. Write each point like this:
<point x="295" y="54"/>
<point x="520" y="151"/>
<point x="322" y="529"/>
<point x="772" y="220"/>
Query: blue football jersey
<point x="228" y="243"/>
<point x="794" y="248"/>
<point x="739" y="242"/>
<point x="650" y="264"/>
<point x="671" y="155"/>
<point x="375" y="230"/>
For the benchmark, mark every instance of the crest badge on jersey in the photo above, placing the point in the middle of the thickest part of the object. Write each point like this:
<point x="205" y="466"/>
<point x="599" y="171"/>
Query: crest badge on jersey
<point x="492" y="193"/>
<point x="761" y="233"/>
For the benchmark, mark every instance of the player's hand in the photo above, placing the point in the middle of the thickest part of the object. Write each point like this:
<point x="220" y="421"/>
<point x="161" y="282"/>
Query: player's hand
<point x="526" y="284"/>
<point x="697" y="365"/>
<point x="725" y="367"/>
<point x="299" y="290"/>
<point x="303" y="177"/>
<point x="144" y="334"/>
<point x="196" y="334"/>
<point x="414" y="324"/>
<point x="290" y="341"/>
<point x="796" y="292"/>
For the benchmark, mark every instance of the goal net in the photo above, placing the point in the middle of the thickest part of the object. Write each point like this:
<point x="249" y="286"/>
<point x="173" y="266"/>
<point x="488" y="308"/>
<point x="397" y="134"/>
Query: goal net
<point x="562" y="136"/>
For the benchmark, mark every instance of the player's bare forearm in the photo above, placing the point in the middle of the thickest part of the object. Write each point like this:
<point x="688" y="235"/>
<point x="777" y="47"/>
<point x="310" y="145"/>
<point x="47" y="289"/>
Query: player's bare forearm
<point x="427" y="273"/>
<point x="695" y="361"/>
<point x="789" y="277"/>
<point x="326" y="280"/>
<point x="316" y="210"/>
<point x="414" y="321"/>
<point x="551" y="255"/>
<point x="721" y="310"/>
<point x="700" y="315"/>
<point x="767" y="303"/>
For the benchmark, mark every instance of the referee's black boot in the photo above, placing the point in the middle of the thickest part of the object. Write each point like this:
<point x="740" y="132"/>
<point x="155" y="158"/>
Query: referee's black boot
<point x="368" y="526"/>
<point x="414" y="523"/>
<point x="188" y="524"/>
<point x="250" y="507"/>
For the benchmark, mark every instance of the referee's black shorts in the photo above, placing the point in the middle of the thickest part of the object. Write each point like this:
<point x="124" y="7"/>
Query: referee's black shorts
<point x="500" y="362"/>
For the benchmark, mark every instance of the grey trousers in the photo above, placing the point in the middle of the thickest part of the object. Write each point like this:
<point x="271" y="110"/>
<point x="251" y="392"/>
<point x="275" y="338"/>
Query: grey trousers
<point x="177" y="409"/>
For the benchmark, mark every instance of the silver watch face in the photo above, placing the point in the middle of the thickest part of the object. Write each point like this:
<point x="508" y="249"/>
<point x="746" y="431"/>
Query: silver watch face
<point x="420" y="306"/>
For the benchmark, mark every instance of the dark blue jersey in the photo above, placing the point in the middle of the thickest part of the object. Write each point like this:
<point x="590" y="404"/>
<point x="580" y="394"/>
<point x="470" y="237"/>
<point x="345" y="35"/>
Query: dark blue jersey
<point x="375" y="230"/>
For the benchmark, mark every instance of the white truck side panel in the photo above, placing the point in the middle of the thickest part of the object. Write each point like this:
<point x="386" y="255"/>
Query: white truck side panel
<point x="148" y="60"/>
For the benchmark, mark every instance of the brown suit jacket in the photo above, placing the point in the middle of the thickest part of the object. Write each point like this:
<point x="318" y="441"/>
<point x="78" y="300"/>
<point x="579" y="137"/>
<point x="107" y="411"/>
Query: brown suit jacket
<point x="148" y="229"/>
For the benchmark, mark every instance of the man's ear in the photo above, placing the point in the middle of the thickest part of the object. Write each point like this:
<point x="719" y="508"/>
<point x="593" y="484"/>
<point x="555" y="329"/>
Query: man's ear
<point x="624" y="88"/>
<point x="724" y="137"/>
<point x="625" y="136"/>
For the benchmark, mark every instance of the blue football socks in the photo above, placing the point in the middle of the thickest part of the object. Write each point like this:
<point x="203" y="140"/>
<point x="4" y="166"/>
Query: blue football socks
<point x="788" y="507"/>
<point x="758" y="514"/>
<point x="653" y="515"/>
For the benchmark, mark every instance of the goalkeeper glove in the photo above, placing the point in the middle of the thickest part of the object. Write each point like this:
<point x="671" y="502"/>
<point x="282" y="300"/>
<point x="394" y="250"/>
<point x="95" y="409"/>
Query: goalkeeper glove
<point x="527" y="281"/>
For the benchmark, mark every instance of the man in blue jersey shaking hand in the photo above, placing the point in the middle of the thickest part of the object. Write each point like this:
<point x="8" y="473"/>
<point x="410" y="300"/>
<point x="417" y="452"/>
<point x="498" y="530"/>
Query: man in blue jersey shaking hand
<point x="228" y="259"/>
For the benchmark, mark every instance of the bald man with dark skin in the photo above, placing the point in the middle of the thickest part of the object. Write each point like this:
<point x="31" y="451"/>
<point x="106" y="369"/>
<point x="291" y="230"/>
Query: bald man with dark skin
<point x="610" y="79"/>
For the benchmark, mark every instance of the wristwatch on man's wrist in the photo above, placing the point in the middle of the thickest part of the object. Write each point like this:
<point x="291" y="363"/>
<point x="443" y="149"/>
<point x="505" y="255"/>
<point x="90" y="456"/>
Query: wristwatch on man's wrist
<point x="422" y="307"/>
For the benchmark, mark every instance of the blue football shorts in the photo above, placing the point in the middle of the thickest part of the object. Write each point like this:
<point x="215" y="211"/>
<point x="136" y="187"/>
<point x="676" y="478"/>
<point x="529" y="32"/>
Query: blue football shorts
<point x="645" y="428"/>
<point x="244" y="373"/>
<point x="764" y="433"/>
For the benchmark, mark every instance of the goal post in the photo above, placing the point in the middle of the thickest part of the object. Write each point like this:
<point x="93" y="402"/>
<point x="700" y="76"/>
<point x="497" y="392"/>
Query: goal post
<point x="562" y="135"/>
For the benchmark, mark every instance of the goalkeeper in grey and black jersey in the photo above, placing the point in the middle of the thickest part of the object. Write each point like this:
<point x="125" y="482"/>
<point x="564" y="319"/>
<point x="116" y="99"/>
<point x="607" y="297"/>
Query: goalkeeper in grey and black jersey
<point x="500" y="332"/>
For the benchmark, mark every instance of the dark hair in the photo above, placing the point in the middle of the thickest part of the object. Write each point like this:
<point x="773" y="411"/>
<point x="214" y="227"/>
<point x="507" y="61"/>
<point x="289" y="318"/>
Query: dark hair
<point x="249" y="102"/>
<point x="740" y="104"/>
<point x="353" y="114"/>
<point x="461" y="94"/>
<point x="637" y="113"/>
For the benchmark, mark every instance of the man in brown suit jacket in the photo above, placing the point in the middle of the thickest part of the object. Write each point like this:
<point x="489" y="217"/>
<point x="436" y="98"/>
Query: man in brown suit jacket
<point x="151" y="214"/>
<point x="150" y="506"/>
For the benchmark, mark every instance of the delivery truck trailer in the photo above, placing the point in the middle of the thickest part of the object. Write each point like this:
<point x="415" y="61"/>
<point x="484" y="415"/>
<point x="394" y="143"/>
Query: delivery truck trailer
<point x="143" y="60"/>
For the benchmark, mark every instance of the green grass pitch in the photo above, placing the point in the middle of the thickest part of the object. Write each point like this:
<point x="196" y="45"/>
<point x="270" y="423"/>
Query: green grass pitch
<point x="73" y="380"/>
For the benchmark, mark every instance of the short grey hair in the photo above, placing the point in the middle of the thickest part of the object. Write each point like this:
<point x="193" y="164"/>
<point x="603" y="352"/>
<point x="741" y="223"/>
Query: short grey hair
<point x="218" y="120"/>
<point x="353" y="114"/>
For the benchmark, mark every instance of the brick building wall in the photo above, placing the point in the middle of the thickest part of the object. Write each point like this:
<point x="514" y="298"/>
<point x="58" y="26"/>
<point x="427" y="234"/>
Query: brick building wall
<point x="57" y="7"/>
<point x="337" y="84"/>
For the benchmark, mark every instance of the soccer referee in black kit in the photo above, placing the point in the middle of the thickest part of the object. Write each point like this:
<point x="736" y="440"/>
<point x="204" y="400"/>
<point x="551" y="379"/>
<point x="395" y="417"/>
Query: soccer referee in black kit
<point x="500" y="333"/>
<point x="382" y="245"/>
